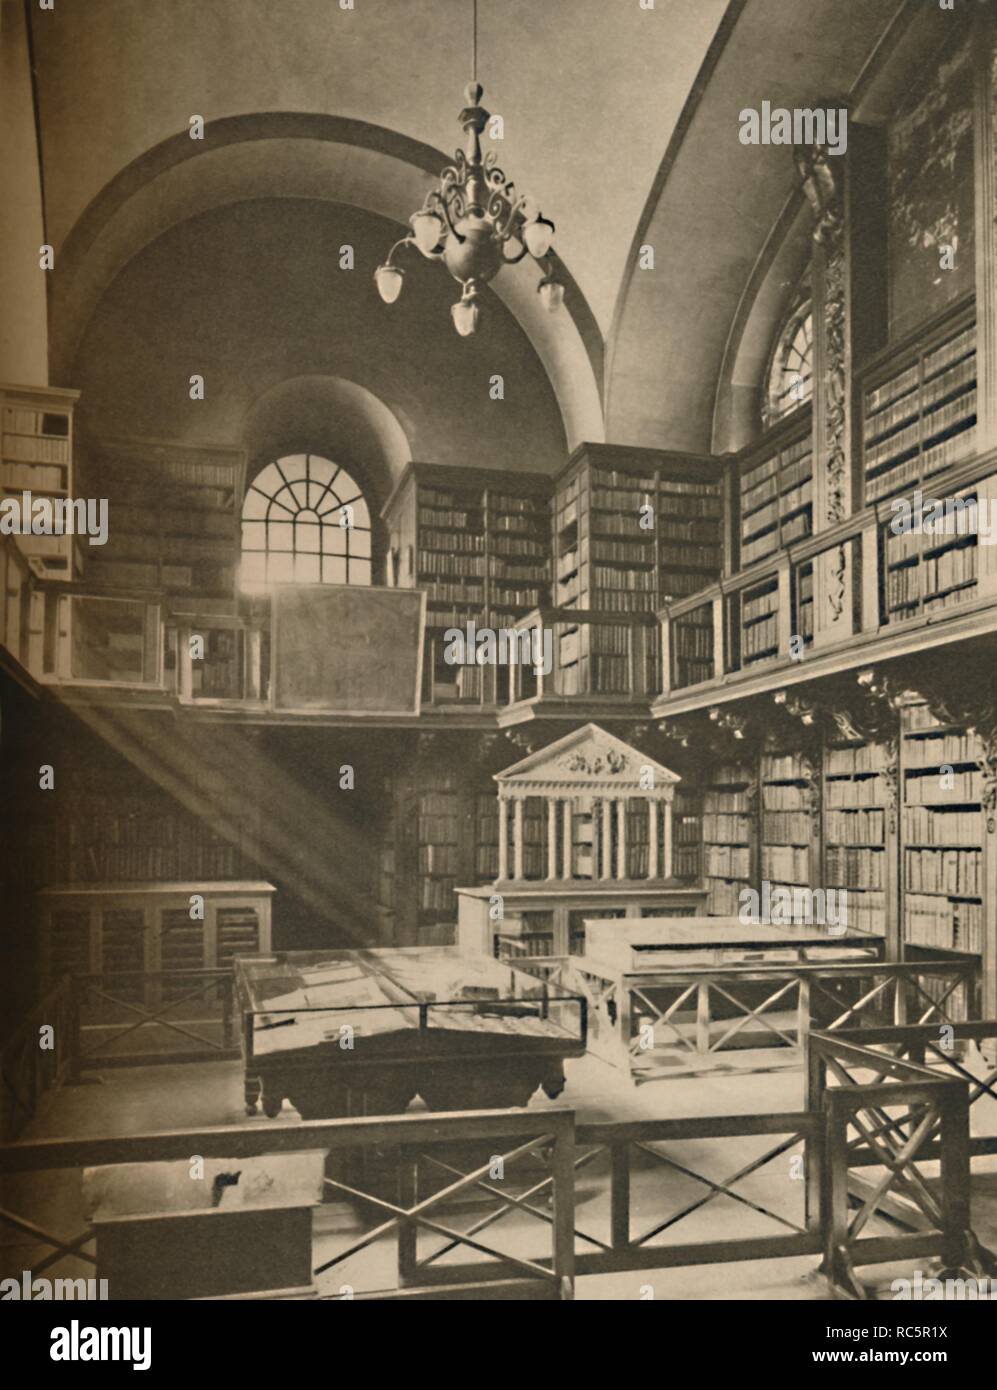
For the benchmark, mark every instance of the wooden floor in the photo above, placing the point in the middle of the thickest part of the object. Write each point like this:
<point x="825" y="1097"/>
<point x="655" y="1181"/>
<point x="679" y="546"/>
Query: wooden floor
<point x="132" y="1100"/>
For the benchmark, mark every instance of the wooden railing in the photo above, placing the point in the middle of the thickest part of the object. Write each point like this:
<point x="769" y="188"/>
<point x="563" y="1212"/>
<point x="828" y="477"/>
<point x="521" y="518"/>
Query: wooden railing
<point x="594" y="656"/>
<point x="853" y="593"/>
<point x="580" y="1187"/>
<point x="701" y="1011"/>
<point x="889" y="1114"/>
<point x="40" y="1055"/>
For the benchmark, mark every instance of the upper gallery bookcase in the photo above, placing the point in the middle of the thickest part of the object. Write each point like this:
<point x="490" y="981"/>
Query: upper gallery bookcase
<point x="478" y="542"/>
<point x="36" y="457"/>
<point x="605" y="560"/>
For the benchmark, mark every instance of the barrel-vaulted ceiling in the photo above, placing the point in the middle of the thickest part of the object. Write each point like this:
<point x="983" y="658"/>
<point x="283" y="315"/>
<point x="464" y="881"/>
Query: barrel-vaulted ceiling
<point x="620" y="117"/>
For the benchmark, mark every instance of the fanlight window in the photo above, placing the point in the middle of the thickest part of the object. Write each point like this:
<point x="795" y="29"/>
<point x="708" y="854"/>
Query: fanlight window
<point x="790" y="382"/>
<point x="304" y="521"/>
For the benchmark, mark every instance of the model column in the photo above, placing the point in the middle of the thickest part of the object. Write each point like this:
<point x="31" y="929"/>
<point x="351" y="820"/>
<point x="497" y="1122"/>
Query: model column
<point x="568" y="866"/>
<point x="503" y="837"/>
<point x="621" y="837"/>
<point x="652" y="838"/>
<point x="551" y="837"/>
<point x="517" y="837"/>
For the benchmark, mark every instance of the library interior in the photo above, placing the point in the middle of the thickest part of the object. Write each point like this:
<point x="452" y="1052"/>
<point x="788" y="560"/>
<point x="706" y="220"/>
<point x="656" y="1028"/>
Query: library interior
<point x="698" y="877"/>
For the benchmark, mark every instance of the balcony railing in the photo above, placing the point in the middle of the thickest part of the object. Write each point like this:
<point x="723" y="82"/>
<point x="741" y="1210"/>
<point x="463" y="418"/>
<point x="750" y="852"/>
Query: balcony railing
<point x="867" y="581"/>
<point x="597" y="657"/>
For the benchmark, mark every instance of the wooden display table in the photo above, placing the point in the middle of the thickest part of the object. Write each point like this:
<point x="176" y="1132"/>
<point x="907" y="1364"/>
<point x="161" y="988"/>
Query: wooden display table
<point x="478" y="933"/>
<point x="700" y="984"/>
<point x="360" y="1032"/>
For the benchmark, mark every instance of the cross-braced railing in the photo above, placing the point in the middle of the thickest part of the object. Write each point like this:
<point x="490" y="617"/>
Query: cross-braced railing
<point x="890" y="1115"/>
<point x="367" y="1147"/>
<point x="700" y="1011"/>
<point x="158" y="1006"/>
<point x="38" y="1057"/>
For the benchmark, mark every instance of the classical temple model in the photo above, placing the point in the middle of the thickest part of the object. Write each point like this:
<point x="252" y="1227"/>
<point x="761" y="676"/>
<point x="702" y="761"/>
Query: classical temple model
<point x="600" y="810"/>
<point x="584" y="830"/>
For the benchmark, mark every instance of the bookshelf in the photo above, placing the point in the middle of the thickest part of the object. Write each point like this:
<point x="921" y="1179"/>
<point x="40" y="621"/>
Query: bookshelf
<point x="776" y="497"/>
<point x="479" y="544"/>
<point x="926" y="573"/>
<point x="856" y="844"/>
<point x="687" y="831"/>
<point x="604" y="558"/>
<point x="729" y="834"/>
<point x="36" y="456"/>
<point x="174" y="524"/>
<point x="786" y="828"/>
<point x="758" y="621"/>
<point x="919" y="408"/>
<point x="692" y="647"/>
<point x="943" y="833"/>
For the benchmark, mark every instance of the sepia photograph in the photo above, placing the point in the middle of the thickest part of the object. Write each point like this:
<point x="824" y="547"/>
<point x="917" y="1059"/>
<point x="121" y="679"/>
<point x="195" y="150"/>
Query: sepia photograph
<point x="498" y="668"/>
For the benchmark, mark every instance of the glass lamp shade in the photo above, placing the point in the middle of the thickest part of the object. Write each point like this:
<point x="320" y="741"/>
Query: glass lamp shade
<point x="428" y="231"/>
<point x="551" y="295"/>
<point x="538" y="236"/>
<point x="465" y="315"/>
<point x="388" y="279"/>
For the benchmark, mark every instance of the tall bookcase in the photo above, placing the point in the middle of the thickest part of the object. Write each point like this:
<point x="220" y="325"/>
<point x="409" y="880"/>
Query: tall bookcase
<point x="775" y="486"/>
<point x="857" y="841"/>
<point x="174" y="517"/>
<point x="943" y="834"/>
<point x="605" y="559"/>
<point x="730" y="836"/>
<point x="478" y="542"/>
<point x="787" y="835"/>
<point x="919" y="407"/>
<point x="36" y="457"/>
<point x="926" y="573"/>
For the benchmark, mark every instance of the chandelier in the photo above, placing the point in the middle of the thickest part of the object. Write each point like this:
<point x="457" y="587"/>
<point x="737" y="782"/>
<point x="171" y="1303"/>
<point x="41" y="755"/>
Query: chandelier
<point x="474" y="221"/>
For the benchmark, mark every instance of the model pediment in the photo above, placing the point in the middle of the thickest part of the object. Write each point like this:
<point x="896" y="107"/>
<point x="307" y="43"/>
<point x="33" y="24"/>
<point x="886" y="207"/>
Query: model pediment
<point x="588" y="756"/>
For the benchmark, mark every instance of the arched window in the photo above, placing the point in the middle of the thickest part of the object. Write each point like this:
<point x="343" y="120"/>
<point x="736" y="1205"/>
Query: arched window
<point x="790" y="379"/>
<point x="304" y="521"/>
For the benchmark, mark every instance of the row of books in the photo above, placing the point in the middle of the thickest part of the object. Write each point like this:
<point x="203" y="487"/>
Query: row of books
<point x="105" y="863"/>
<point x="958" y="871"/>
<point x="726" y="828"/>
<point x="437" y="829"/>
<point x="630" y="581"/>
<point x="452" y="540"/>
<point x="787" y="862"/>
<point x="692" y="639"/>
<point x="435" y="562"/>
<point x="439" y="859"/>
<point x="932" y="921"/>
<point x="724" y="899"/>
<point x="758" y="606"/>
<point x="786" y="828"/>
<point x="760" y="639"/>
<point x="781" y="768"/>
<point x="724" y="799"/>
<point x="783" y="796"/>
<point x="855" y="827"/>
<point x="939" y="789"/>
<point x="28" y="477"/>
<point x="934" y="752"/>
<point x="25" y="448"/>
<point x="924" y="826"/>
<point x="848" y="867"/>
<point x="726" y="861"/>
<point x="865" y="757"/>
<point x="760" y="547"/>
<point x="519" y="547"/>
<point x="951" y="569"/>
